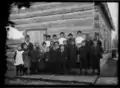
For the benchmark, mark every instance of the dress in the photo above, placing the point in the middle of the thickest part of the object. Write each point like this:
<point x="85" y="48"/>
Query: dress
<point x="26" y="59"/>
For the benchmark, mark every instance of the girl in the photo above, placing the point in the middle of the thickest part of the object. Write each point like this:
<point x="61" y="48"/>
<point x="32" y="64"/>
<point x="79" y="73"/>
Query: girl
<point x="26" y="59"/>
<point x="19" y="61"/>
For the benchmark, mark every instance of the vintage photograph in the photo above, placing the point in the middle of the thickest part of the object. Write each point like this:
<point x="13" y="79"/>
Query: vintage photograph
<point x="62" y="43"/>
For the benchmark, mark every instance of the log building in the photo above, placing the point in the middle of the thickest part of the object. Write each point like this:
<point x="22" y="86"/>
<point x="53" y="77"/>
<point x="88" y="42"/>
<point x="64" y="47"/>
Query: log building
<point x="53" y="18"/>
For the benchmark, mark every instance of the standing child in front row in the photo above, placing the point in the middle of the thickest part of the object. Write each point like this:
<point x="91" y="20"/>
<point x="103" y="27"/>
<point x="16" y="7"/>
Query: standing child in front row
<point x="83" y="58"/>
<point x="72" y="53"/>
<point x="19" y="61"/>
<point x="95" y="57"/>
<point x="63" y="59"/>
<point x="26" y="60"/>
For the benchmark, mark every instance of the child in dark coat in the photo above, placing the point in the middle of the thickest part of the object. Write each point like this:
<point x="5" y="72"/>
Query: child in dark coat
<point x="34" y="55"/>
<point x="83" y="58"/>
<point x="54" y="56"/>
<point x="95" y="57"/>
<point x="63" y="58"/>
<point x="72" y="53"/>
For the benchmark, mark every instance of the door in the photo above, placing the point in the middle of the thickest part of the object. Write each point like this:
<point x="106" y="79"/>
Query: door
<point x="36" y="36"/>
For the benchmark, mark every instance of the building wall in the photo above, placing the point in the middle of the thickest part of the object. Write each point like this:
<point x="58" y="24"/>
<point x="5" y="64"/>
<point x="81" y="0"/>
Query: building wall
<point x="105" y="30"/>
<point x="55" y="17"/>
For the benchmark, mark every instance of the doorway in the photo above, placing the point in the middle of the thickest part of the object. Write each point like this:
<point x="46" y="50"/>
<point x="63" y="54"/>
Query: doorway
<point x="36" y="35"/>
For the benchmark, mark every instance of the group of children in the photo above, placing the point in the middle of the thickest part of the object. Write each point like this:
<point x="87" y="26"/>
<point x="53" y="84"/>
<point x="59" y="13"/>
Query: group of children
<point x="61" y="54"/>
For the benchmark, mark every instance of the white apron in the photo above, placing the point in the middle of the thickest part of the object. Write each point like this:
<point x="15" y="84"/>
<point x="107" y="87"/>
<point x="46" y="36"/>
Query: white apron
<point x="19" y="58"/>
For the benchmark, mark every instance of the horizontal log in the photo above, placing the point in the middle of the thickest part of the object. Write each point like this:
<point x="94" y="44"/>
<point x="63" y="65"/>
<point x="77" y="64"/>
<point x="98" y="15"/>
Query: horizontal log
<point x="69" y="22"/>
<point x="45" y="6"/>
<point x="86" y="29"/>
<point x="55" y="11"/>
<point x="73" y="15"/>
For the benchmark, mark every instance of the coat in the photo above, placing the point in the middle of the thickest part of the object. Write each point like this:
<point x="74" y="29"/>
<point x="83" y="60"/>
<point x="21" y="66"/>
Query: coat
<point x="54" y="55"/>
<point x="63" y="56"/>
<point x="72" y="55"/>
<point x="83" y="57"/>
<point x="34" y="55"/>
<point x="95" y="56"/>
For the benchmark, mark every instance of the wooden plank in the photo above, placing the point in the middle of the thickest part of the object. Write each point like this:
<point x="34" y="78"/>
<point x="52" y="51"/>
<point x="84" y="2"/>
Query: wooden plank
<point x="86" y="29"/>
<point x="69" y="22"/>
<point x="46" y="6"/>
<point x="73" y="15"/>
<point x="54" y="11"/>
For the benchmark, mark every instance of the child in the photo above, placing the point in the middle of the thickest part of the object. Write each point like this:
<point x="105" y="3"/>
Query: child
<point x="26" y="60"/>
<point x="47" y="41"/>
<point x="72" y="53"/>
<point x="78" y="39"/>
<point x="55" y="39"/>
<point x="19" y="61"/>
<point x="63" y="58"/>
<point x="83" y="58"/>
<point x="95" y="57"/>
<point x="62" y="38"/>
<point x="34" y="56"/>
<point x="54" y="58"/>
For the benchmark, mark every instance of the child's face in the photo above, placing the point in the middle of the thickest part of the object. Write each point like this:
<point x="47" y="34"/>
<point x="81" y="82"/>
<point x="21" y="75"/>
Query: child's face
<point x="25" y="46"/>
<point x="55" y="37"/>
<point x="44" y="45"/>
<point x="48" y="38"/>
<point x="65" y="42"/>
<point x="19" y="47"/>
<point x="78" y="34"/>
<point x="56" y="44"/>
<point x="62" y="48"/>
<point x="83" y="43"/>
<point x="52" y="43"/>
<point x="61" y="35"/>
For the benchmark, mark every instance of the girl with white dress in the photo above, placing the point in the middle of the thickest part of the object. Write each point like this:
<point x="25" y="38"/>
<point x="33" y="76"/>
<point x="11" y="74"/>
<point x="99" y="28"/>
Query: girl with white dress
<point x="18" y="57"/>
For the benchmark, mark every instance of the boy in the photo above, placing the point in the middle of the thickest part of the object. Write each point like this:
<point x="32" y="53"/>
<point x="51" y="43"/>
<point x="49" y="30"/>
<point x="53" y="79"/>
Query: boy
<point x="19" y="61"/>
<point x="89" y="44"/>
<point x="34" y="56"/>
<point x="62" y="38"/>
<point x="79" y="39"/>
<point x="54" y="58"/>
<point x="70" y="38"/>
<point x="55" y="39"/>
<point x="47" y="41"/>
<point x="72" y="53"/>
<point x="83" y="58"/>
<point x="95" y="57"/>
<point x="63" y="58"/>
